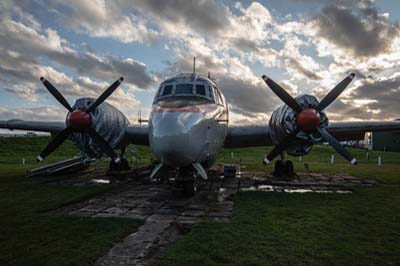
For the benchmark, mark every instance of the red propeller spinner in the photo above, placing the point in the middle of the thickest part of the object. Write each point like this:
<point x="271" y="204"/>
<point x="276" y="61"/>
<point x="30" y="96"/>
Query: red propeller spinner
<point x="79" y="120"/>
<point x="308" y="119"/>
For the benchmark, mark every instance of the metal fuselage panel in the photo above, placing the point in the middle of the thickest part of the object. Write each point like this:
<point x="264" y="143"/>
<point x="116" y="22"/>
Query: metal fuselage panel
<point x="187" y="134"/>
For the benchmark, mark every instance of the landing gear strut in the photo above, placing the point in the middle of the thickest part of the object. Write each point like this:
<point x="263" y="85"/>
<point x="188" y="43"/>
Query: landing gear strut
<point x="284" y="168"/>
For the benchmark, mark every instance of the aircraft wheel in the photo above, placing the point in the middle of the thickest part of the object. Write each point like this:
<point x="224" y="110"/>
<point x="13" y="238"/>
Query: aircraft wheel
<point x="288" y="169"/>
<point x="278" y="169"/>
<point x="189" y="188"/>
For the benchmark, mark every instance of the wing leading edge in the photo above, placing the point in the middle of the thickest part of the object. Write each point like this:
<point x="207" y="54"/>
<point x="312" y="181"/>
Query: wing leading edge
<point x="253" y="136"/>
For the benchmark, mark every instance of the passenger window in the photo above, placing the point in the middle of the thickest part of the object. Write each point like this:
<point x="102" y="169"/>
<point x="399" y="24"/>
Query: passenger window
<point x="210" y="93"/>
<point x="184" y="89"/>
<point x="201" y="90"/>
<point x="167" y="90"/>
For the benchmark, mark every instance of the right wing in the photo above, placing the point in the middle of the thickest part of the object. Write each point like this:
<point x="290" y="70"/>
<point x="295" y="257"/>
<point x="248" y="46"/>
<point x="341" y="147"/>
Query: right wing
<point x="247" y="136"/>
<point x="253" y="136"/>
<point x="137" y="134"/>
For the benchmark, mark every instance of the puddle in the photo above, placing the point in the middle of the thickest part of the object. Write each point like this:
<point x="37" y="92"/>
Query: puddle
<point x="100" y="181"/>
<point x="270" y="188"/>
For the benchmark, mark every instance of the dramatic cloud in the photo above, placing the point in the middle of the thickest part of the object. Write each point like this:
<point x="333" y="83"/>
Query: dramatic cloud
<point x="237" y="42"/>
<point x="205" y="16"/>
<point x="358" y="28"/>
<point x="294" y="64"/>
<point x="34" y="114"/>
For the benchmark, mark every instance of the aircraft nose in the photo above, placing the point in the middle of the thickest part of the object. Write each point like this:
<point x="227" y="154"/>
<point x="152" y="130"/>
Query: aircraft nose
<point x="178" y="138"/>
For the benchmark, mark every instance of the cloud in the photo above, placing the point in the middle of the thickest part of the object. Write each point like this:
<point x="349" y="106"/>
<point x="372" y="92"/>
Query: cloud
<point x="43" y="113"/>
<point x="357" y="28"/>
<point x="295" y="65"/>
<point x="32" y="44"/>
<point x="103" y="19"/>
<point x="205" y="16"/>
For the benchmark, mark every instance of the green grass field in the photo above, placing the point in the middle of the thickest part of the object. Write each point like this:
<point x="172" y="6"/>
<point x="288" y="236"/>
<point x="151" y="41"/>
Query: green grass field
<point x="31" y="236"/>
<point x="362" y="228"/>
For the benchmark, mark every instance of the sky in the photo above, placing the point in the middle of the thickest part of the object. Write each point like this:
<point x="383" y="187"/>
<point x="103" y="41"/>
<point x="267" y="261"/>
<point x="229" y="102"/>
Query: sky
<point x="307" y="46"/>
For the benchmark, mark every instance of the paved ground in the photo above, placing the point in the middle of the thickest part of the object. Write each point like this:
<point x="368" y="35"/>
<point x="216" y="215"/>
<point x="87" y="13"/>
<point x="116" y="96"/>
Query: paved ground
<point x="168" y="217"/>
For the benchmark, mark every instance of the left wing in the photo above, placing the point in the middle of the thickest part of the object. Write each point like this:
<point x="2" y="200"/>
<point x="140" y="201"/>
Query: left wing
<point x="133" y="134"/>
<point x="252" y="136"/>
<point x="52" y="127"/>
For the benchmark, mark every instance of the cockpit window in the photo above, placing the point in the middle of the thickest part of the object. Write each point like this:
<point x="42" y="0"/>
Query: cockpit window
<point x="183" y="89"/>
<point x="210" y="93"/>
<point x="159" y="92"/>
<point x="201" y="90"/>
<point x="167" y="90"/>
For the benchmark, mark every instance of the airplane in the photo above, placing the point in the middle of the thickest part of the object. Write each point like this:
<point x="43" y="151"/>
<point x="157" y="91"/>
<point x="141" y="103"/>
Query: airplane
<point x="189" y="123"/>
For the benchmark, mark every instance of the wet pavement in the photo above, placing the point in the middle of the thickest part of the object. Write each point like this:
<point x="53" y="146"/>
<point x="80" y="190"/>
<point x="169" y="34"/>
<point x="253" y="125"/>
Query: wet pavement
<point x="168" y="217"/>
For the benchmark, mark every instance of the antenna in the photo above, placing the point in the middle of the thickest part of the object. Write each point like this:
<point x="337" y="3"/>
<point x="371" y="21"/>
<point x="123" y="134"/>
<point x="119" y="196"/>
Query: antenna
<point x="194" y="65"/>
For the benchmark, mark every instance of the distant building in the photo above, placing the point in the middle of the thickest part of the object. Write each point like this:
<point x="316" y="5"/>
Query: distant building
<point x="385" y="141"/>
<point x="30" y="134"/>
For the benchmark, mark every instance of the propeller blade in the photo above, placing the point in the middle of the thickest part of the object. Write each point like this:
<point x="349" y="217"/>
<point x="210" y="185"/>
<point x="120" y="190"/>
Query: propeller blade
<point x="104" y="146"/>
<point x="335" y="92"/>
<point x="54" y="143"/>
<point x="105" y="95"/>
<point x="280" y="147"/>
<point x="336" y="145"/>
<point x="281" y="93"/>
<point x="60" y="98"/>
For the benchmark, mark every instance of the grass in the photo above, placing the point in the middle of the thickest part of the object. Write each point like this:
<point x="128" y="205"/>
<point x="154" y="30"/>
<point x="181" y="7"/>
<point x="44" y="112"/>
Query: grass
<point x="361" y="228"/>
<point x="29" y="235"/>
<point x="319" y="161"/>
<point x="299" y="229"/>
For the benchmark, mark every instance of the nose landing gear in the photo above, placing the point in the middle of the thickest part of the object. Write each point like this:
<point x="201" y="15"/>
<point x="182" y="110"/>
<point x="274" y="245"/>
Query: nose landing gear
<point x="186" y="182"/>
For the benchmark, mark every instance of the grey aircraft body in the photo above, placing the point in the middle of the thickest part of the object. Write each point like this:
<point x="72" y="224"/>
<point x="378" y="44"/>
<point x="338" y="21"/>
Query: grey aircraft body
<point x="189" y="123"/>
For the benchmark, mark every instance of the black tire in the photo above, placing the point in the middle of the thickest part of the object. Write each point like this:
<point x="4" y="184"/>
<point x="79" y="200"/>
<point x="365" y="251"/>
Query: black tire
<point x="278" y="169"/>
<point x="189" y="188"/>
<point x="288" y="169"/>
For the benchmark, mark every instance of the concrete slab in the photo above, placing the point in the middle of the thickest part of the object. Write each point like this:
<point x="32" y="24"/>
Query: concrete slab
<point x="167" y="217"/>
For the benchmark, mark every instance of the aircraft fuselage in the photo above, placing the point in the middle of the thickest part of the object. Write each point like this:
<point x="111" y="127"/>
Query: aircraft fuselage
<point x="189" y="122"/>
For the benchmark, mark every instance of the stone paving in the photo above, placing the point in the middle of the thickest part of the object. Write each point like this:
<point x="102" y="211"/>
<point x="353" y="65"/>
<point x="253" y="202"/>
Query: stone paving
<point x="168" y="217"/>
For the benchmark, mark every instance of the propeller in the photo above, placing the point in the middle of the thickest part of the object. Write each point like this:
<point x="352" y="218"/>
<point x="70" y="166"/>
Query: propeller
<point x="79" y="121"/>
<point x="308" y="119"/>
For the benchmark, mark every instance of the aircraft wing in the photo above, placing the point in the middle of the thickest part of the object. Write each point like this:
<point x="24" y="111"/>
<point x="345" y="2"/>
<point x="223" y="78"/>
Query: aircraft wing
<point x="252" y="136"/>
<point x="133" y="134"/>
<point x="137" y="134"/>
<point x="52" y="127"/>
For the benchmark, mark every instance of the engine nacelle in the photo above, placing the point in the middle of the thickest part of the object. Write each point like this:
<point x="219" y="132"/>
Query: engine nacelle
<point x="107" y="120"/>
<point x="283" y="121"/>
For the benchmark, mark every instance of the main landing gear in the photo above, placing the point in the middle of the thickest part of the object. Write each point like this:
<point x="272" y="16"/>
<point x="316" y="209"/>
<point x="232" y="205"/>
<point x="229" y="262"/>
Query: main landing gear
<point x="122" y="165"/>
<point x="283" y="168"/>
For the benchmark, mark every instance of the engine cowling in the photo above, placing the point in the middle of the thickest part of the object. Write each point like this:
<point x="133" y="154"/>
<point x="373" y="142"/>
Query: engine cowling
<point x="283" y="121"/>
<point x="107" y="120"/>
